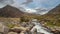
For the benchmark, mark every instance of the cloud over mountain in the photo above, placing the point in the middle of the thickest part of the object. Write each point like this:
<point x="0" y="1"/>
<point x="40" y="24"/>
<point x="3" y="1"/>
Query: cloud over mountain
<point x="40" y="11"/>
<point x="30" y="5"/>
<point x="3" y="3"/>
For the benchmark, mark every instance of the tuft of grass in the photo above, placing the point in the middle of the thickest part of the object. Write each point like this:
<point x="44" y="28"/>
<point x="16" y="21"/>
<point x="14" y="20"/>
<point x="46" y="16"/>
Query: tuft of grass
<point x="10" y="25"/>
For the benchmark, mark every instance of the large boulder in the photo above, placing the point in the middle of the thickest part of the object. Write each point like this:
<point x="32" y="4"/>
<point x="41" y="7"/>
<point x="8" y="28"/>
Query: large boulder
<point x="12" y="33"/>
<point x="3" y="29"/>
<point x="18" y="29"/>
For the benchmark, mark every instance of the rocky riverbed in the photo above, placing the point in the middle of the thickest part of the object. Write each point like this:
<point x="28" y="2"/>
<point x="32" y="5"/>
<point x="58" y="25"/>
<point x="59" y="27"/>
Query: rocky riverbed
<point x="32" y="27"/>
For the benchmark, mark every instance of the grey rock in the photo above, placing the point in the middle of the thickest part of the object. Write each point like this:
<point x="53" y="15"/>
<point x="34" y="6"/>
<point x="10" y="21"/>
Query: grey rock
<point x="3" y="29"/>
<point x="12" y="33"/>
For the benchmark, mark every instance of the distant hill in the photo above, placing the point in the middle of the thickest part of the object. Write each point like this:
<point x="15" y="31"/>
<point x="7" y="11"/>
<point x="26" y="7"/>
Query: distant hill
<point x="55" y="10"/>
<point x="9" y="11"/>
<point x="52" y="18"/>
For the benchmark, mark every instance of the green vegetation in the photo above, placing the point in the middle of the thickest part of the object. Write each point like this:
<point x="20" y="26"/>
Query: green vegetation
<point x="10" y="25"/>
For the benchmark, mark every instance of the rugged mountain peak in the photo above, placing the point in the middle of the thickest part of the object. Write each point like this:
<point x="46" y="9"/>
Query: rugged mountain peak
<point x="9" y="11"/>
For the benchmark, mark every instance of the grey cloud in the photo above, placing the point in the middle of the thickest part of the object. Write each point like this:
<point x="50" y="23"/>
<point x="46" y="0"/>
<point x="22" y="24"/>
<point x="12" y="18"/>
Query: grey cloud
<point x="2" y="0"/>
<point x="8" y="1"/>
<point x="27" y="2"/>
<point x="41" y="11"/>
<point x="5" y="2"/>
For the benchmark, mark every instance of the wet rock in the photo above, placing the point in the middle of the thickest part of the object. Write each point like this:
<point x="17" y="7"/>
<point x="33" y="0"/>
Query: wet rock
<point x="23" y="24"/>
<point x="56" y="32"/>
<point x="15" y="30"/>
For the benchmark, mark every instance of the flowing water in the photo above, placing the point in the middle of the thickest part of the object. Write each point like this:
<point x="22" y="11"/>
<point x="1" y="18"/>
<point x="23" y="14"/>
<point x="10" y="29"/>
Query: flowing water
<point x="39" y="28"/>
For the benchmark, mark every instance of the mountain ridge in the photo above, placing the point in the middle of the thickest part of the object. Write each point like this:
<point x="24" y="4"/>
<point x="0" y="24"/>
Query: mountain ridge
<point x="55" y="10"/>
<point x="9" y="11"/>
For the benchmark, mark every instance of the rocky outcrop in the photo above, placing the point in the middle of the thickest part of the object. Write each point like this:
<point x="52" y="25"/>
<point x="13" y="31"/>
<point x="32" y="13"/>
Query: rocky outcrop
<point x="3" y="29"/>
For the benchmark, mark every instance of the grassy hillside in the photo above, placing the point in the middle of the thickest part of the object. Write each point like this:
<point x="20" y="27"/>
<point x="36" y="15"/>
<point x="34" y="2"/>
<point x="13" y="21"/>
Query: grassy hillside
<point x="52" y="18"/>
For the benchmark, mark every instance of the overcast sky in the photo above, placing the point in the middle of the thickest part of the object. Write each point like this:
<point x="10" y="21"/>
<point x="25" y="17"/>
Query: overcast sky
<point x="31" y="4"/>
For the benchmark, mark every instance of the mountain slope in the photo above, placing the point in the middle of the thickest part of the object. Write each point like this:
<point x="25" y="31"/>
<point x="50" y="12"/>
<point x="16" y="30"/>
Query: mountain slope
<point x="55" y="10"/>
<point x="52" y="18"/>
<point x="9" y="11"/>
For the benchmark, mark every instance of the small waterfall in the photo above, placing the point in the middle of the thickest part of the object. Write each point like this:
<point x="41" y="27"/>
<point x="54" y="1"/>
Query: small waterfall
<point x="39" y="28"/>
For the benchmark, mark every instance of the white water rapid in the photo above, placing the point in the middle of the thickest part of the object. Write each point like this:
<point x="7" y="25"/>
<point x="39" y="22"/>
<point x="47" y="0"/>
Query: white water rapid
<point x="39" y="28"/>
